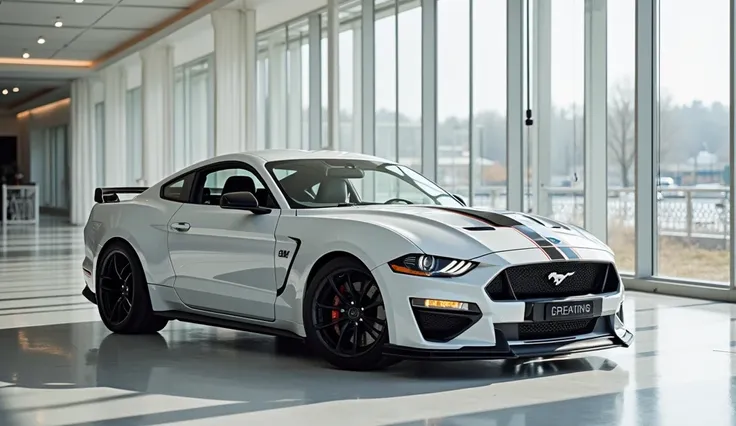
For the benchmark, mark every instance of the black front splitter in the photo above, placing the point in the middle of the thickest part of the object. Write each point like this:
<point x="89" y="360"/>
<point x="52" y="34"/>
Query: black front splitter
<point x="502" y="349"/>
<point x="89" y="295"/>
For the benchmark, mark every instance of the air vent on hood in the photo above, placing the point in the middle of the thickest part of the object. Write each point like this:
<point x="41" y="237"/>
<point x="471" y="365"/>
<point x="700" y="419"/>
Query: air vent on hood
<point x="479" y="228"/>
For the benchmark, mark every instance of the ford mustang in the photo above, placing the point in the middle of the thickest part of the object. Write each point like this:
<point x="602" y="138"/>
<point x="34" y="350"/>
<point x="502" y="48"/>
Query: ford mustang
<point x="364" y="259"/>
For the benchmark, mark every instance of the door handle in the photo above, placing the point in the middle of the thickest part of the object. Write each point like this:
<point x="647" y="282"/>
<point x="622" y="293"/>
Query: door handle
<point x="180" y="226"/>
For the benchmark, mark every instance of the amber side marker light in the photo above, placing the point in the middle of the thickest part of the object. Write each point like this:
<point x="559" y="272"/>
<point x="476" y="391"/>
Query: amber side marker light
<point x="441" y="304"/>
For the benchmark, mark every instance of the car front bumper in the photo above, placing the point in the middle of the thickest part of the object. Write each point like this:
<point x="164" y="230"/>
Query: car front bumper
<point x="497" y="329"/>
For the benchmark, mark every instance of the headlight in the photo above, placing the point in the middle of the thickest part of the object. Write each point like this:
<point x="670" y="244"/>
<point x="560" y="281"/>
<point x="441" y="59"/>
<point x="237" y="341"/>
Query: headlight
<point x="431" y="266"/>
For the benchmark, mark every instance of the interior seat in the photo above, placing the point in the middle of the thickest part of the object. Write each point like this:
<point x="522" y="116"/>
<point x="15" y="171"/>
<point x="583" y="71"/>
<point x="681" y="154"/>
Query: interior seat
<point x="239" y="184"/>
<point x="332" y="191"/>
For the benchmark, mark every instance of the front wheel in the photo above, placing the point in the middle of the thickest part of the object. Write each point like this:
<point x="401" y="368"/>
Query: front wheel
<point x="345" y="318"/>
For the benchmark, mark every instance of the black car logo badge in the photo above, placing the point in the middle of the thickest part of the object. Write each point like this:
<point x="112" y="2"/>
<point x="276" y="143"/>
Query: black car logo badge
<point x="558" y="278"/>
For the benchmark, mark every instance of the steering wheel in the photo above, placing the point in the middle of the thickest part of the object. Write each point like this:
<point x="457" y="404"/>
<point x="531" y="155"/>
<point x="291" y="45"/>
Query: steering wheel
<point x="397" y="200"/>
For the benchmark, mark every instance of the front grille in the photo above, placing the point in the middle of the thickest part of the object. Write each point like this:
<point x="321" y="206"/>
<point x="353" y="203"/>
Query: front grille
<point x="533" y="281"/>
<point x="443" y="326"/>
<point x="555" y="329"/>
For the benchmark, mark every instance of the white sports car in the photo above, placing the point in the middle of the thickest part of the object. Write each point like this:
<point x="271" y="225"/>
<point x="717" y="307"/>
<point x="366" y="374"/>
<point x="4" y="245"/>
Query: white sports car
<point x="364" y="258"/>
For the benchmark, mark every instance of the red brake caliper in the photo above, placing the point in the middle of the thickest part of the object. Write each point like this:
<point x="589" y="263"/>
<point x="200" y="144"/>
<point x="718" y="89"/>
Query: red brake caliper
<point x="335" y="314"/>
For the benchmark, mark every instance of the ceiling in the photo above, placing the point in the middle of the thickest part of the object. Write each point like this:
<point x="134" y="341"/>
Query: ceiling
<point x="95" y="32"/>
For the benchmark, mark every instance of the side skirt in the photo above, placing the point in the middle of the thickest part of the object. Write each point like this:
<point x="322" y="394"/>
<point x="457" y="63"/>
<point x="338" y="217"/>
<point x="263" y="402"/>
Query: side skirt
<point x="229" y="324"/>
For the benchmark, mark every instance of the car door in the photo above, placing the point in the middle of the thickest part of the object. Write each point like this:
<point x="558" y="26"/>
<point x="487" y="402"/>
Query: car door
<point x="224" y="258"/>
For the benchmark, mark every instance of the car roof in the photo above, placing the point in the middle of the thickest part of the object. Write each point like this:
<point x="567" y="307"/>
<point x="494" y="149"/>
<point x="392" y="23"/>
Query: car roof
<point x="299" y="154"/>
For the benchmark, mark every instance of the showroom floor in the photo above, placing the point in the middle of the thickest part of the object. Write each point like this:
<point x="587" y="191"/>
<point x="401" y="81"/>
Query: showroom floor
<point x="60" y="366"/>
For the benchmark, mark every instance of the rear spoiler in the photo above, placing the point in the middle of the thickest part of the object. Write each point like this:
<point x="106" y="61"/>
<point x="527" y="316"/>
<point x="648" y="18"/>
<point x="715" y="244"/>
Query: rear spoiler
<point x="110" y="195"/>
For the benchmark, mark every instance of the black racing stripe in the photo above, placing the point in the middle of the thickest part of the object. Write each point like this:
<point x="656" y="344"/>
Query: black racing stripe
<point x="492" y="218"/>
<point x="553" y="252"/>
<point x="281" y="289"/>
<point x="501" y="220"/>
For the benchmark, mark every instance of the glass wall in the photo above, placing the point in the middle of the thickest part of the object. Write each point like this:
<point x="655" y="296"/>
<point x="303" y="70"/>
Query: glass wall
<point x="283" y="87"/>
<point x="194" y="130"/>
<point x="409" y="79"/>
<point x="565" y="165"/>
<point x="692" y="190"/>
<point x="134" y="135"/>
<point x="297" y="75"/>
<point x="385" y="72"/>
<point x="692" y="125"/>
<point x="489" y="104"/>
<point x="621" y="54"/>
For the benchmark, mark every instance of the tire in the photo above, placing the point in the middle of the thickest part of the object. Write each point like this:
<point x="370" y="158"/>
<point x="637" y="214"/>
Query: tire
<point x="122" y="293"/>
<point x="348" y="336"/>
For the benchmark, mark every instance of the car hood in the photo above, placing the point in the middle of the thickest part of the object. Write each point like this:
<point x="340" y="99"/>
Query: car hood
<point x="468" y="233"/>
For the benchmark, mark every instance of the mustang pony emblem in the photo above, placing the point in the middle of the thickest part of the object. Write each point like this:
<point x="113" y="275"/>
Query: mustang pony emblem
<point x="559" y="278"/>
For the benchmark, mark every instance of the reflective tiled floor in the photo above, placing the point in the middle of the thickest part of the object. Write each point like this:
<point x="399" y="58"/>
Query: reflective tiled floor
<point x="60" y="366"/>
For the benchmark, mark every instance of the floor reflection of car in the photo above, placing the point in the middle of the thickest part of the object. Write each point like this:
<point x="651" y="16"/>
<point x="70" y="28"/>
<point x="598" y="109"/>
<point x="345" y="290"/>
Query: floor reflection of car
<point x="227" y="371"/>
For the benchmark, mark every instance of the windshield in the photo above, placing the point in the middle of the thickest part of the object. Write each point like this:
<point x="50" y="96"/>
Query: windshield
<point x="315" y="183"/>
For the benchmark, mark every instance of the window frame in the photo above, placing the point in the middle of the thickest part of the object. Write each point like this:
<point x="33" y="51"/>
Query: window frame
<point x="186" y="191"/>
<point x="200" y="178"/>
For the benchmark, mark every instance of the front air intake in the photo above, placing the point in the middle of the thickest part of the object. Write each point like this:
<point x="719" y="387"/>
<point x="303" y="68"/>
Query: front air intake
<point x="534" y="281"/>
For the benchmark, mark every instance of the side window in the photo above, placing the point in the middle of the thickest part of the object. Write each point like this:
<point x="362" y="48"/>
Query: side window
<point x="174" y="191"/>
<point x="235" y="179"/>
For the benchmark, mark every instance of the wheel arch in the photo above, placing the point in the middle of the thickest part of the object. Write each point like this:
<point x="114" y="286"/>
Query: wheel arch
<point x="327" y="258"/>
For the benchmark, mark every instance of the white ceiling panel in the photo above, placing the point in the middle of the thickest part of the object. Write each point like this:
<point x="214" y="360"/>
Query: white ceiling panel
<point x="30" y="34"/>
<point x="105" y="36"/>
<point x="159" y="3"/>
<point x="54" y="2"/>
<point x="91" y="30"/>
<point x="71" y="14"/>
<point x="140" y="18"/>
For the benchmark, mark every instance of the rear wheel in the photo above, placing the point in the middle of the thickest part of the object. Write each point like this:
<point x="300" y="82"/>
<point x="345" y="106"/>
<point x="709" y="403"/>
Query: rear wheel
<point x="122" y="293"/>
<point x="345" y="318"/>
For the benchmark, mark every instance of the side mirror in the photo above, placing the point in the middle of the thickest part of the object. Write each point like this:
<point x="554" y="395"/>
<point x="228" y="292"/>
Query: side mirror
<point x="459" y="199"/>
<point x="242" y="201"/>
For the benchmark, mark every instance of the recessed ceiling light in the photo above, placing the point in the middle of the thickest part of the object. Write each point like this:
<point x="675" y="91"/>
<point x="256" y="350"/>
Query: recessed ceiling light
<point x="58" y="23"/>
<point x="41" y="40"/>
<point x="5" y="91"/>
<point x="26" y="55"/>
<point x="16" y="90"/>
<point x="78" y="1"/>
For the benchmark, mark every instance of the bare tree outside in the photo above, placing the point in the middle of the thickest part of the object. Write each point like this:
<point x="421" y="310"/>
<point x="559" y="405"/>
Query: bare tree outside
<point x="622" y="126"/>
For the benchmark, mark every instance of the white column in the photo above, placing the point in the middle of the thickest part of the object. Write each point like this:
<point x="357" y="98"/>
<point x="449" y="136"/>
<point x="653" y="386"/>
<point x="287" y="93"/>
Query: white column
<point x="157" y="95"/>
<point x="356" y="145"/>
<point x="646" y="132"/>
<point x="732" y="151"/>
<point x="251" y="80"/>
<point x="515" y="164"/>
<point x="277" y="91"/>
<point x="368" y="78"/>
<point x="540" y="145"/>
<point x="295" y="95"/>
<point x="429" y="88"/>
<point x="315" y="81"/>
<point x="333" y="74"/>
<point x="83" y="168"/>
<point x="596" y="120"/>
<point x="116" y="85"/>
<point x="230" y="80"/>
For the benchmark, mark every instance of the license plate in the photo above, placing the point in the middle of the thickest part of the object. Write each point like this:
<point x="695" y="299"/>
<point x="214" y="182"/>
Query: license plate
<point x="570" y="310"/>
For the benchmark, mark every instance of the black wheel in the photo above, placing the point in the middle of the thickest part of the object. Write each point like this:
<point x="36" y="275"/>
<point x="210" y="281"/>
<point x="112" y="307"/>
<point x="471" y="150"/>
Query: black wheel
<point x="122" y="293"/>
<point x="345" y="318"/>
